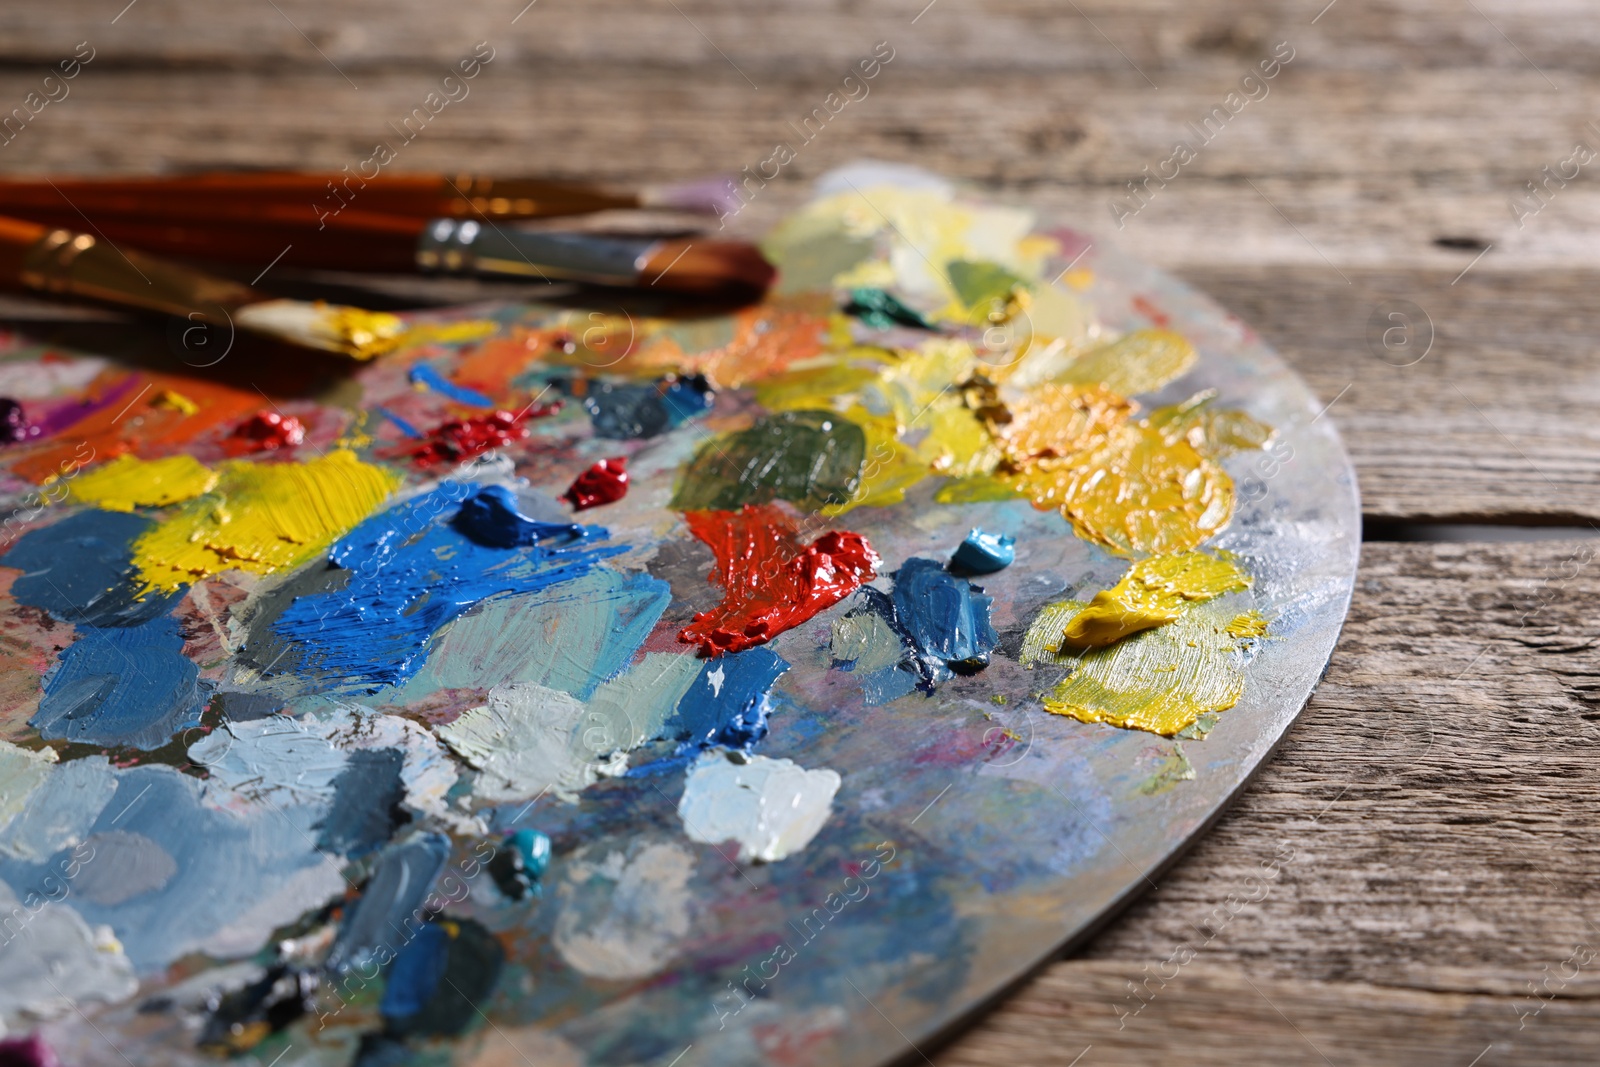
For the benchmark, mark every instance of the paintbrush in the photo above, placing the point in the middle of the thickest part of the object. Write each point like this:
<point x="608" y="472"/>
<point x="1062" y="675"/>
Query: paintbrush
<point x="61" y="262"/>
<point x="323" y="195"/>
<point x="373" y="242"/>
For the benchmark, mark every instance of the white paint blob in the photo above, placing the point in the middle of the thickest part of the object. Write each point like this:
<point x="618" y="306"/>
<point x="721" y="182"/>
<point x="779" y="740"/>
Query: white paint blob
<point x="526" y="740"/>
<point x="771" y="807"/>
<point x="622" y="913"/>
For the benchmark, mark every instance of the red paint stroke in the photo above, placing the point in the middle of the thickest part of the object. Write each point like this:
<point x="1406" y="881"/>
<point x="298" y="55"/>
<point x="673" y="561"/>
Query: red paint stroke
<point x="773" y="582"/>
<point x="1151" y="312"/>
<point x="463" y="439"/>
<point x="604" y="483"/>
<point x="266" y="431"/>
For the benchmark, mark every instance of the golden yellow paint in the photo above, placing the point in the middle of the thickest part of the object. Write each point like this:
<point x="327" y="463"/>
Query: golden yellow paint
<point x="1153" y="593"/>
<point x="1140" y="362"/>
<point x="1080" y="278"/>
<point x="260" y="518"/>
<point x="1161" y="680"/>
<point x="363" y="334"/>
<point x="127" y="483"/>
<point x="448" y="333"/>
<point x="1059" y="421"/>
<point x="977" y="489"/>
<point x="1250" y="624"/>
<point x="171" y="398"/>
<point x="1211" y="430"/>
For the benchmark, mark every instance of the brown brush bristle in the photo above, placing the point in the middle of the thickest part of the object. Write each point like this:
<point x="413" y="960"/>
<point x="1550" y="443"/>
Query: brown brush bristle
<point x="707" y="268"/>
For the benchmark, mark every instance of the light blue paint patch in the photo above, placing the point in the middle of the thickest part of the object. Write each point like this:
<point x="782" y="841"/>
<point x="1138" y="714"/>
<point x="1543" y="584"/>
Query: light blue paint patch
<point x="984" y="553"/>
<point x="237" y="875"/>
<point x="129" y="686"/>
<point x="424" y="375"/>
<point x="411" y="572"/>
<point x="61" y="810"/>
<point x="571" y="637"/>
<point x="390" y="912"/>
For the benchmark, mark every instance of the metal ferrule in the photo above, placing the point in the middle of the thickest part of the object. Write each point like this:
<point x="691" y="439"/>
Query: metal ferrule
<point x="79" y="264"/>
<point x="466" y="246"/>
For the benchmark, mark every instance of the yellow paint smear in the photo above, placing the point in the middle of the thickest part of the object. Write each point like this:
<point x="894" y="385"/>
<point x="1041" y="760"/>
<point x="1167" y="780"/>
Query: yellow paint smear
<point x="127" y="483"/>
<point x="1209" y="429"/>
<point x="1161" y="680"/>
<point x="1154" y="592"/>
<point x="261" y="518"/>
<point x="1248" y="625"/>
<point x="171" y="398"/>
<point x="364" y="334"/>
<point x="1141" y="362"/>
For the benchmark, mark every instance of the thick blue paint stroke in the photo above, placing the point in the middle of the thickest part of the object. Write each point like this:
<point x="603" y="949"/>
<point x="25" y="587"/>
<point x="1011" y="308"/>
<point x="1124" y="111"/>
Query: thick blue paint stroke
<point x="127" y="685"/>
<point x="390" y="912"/>
<point x="410" y="572"/>
<point x="422" y="374"/>
<point x="727" y="703"/>
<point x="400" y="424"/>
<point x="491" y="517"/>
<point x="414" y="976"/>
<point x="945" y="616"/>
<point x="80" y="570"/>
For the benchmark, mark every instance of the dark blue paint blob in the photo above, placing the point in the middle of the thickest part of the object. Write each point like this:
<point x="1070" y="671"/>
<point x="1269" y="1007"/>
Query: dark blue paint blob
<point x="727" y="703"/>
<point x="80" y="570"/>
<point x="367" y="798"/>
<point x="125" y="686"/>
<point x="984" y="553"/>
<point x="623" y="411"/>
<point x="491" y="517"/>
<point x="414" y="976"/>
<point x="424" y="375"/>
<point x="945" y="617"/>
<point x="410" y="572"/>
<point x="390" y="912"/>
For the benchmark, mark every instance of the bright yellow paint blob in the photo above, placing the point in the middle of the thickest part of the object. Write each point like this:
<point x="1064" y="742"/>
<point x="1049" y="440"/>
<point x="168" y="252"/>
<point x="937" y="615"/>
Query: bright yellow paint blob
<point x="1162" y="680"/>
<point x="1154" y="592"/>
<point x="1209" y="429"/>
<point x="171" y="398"/>
<point x="126" y="483"/>
<point x="363" y="334"/>
<point x="1250" y="624"/>
<point x="260" y="518"/>
<point x="1140" y="362"/>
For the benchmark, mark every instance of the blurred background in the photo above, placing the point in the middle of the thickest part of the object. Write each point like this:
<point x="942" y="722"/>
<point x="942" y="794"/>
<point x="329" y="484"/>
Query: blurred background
<point x="1433" y="157"/>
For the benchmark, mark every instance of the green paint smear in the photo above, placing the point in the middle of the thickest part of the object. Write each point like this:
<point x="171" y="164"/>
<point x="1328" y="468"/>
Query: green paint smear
<point x="881" y="310"/>
<point x="810" y="458"/>
<point x="982" y="285"/>
<point x="809" y="254"/>
<point x="1175" y="767"/>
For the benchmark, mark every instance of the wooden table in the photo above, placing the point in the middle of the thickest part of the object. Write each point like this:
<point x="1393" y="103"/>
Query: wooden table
<point x="1437" y="801"/>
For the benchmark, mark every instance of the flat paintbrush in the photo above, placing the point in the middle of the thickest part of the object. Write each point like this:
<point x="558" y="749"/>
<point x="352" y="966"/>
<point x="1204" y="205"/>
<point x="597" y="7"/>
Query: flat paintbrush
<point x="64" y="263"/>
<point x="319" y="196"/>
<point x="370" y="241"/>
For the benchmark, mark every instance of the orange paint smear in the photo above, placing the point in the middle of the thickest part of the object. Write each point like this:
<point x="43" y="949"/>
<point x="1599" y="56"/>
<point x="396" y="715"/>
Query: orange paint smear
<point x="773" y="582"/>
<point x="493" y="365"/>
<point x="145" y="426"/>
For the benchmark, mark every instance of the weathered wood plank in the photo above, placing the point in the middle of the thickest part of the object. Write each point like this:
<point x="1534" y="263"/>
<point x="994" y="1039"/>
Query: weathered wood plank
<point x="1425" y="843"/>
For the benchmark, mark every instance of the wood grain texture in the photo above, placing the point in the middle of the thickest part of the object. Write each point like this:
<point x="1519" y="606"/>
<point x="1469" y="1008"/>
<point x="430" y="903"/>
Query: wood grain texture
<point x="1426" y="837"/>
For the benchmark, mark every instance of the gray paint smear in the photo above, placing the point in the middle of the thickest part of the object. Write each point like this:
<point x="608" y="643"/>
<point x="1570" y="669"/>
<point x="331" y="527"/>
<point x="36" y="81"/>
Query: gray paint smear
<point x="390" y="909"/>
<point x="623" y="913"/>
<point x="53" y="942"/>
<point x="125" y="865"/>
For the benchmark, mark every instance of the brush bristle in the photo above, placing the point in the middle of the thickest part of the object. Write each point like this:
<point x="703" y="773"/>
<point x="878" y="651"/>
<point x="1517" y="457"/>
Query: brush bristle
<point x="349" y="331"/>
<point x="707" y="268"/>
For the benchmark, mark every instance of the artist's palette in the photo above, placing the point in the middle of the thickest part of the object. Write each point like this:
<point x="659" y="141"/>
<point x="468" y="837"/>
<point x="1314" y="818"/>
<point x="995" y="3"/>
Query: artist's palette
<point x="335" y="732"/>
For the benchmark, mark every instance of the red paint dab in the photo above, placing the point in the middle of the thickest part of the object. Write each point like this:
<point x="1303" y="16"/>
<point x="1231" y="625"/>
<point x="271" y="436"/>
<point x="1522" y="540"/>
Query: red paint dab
<point x="1151" y="312"/>
<point x="604" y="483"/>
<point x="773" y="582"/>
<point x="267" y="431"/>
<point x="462" y="439"/>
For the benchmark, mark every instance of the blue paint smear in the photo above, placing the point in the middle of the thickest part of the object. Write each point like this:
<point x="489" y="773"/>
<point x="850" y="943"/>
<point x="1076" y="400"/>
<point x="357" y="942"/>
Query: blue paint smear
<point x="422" y="374"/>
<point x="625" y="411"/>
<point x="984" y="553"/>
<point x="727" y="703"/>
<point x="80" y="570"/>
<point x="390" y="913"/>
<point x="125" y="686"/>
<point x="943" y="623"/>
<point x="400" y="424"/>
<point x="411" y="572"/>
<point x="491" y="517"/>
<point x="946" y="617"/>
<point x="367" y="798"/>
<point x="414" y="976"/>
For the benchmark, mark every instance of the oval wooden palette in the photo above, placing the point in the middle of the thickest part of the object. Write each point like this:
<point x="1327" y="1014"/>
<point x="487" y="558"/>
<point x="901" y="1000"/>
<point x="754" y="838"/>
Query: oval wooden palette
<point x="937" y="831"/>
